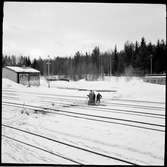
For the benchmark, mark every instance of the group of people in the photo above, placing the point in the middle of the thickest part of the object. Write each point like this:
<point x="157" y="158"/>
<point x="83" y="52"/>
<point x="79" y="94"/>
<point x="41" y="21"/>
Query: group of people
<point x="93" y="98"/>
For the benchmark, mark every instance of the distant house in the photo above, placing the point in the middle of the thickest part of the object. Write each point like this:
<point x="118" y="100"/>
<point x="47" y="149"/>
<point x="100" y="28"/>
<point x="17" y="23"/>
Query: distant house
<point x="156" y="78"/>
<point x="23" y="75"/>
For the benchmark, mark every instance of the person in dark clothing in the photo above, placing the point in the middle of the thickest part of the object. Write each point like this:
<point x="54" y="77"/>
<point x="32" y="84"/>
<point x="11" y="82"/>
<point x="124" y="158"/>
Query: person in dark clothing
<point x="92" y="97"/>
<point x="90" y="94"/>
<point x="99" y="96"/>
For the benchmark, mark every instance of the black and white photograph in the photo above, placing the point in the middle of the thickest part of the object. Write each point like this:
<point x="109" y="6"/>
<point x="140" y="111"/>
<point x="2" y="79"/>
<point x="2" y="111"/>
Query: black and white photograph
<point x="83" y="83"/>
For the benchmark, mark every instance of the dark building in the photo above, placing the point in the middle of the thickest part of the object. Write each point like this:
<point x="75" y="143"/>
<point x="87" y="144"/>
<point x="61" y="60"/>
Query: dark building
<point x="156" y="78"/>
<point x="23" y="75"/>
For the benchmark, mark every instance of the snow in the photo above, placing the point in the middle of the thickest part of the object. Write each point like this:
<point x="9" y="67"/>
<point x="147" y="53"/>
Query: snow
<point x="134" y="88"/>
<point x="137" y="145"/>
<point x="22" y="69"/>
<point x="7" y="83"/>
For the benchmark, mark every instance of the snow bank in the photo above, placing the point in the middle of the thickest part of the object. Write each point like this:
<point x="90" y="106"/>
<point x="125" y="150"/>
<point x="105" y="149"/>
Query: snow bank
<point x="113" y="87"/>
<point x="125" y="87"/>
<point x="7" y="83"/>
<point x="138" y="89"/>
<point x="111" y="139"/>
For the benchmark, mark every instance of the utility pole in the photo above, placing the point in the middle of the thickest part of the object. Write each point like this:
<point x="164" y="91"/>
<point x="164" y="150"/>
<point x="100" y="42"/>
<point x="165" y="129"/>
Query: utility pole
<point x="110" y="65"/>
<point x="151" y="63"/>
<point x="101" y="67"/>
<point x="48" y="63"/>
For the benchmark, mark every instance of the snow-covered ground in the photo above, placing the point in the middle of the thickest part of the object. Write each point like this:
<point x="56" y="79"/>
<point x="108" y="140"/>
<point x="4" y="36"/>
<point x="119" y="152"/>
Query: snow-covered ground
<point x="133" y="131"/>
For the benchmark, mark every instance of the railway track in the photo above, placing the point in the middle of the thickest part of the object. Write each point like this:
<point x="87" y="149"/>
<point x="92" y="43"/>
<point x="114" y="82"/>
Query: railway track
<point x="42" y="149"/>
<point x="125" y="122"/>
<point x="71" y="146"/>
<point x="105" y="109"/>
<point x="108" y="101"/>
<point x="137" y="106"/>
<point x="138" y="101"/>
<point x="81" y="102"/>
<point x="148" y="109"/>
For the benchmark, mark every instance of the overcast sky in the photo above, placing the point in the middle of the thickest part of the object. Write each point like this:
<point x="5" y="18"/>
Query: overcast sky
<point x="61" y="29"/>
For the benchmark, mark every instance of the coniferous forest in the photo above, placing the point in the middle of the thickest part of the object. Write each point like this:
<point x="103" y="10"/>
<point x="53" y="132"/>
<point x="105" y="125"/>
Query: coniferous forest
<point x="134" y="60"/>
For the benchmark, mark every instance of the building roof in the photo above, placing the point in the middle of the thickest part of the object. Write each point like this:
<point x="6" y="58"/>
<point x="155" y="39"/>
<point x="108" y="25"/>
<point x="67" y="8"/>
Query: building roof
<point x="155" y="76"/>
<point x="22" y="69"/>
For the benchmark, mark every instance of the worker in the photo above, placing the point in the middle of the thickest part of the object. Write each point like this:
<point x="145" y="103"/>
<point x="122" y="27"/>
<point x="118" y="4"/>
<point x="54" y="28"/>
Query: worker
<point x="92" y="97"/>
<point x="99" y="96"/>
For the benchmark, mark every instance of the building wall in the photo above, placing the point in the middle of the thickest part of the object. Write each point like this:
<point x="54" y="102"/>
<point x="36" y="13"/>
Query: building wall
<point x="34" y="79"/>
<point x="156" y="80"/>
<point x="23" y="78"/>
<point x="7" y="73"/>
<point x="30" y="79"/>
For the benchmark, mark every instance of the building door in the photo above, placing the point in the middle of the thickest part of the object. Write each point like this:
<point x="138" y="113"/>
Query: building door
<point x="23" y="79"/>
<point x="34" y="80"/>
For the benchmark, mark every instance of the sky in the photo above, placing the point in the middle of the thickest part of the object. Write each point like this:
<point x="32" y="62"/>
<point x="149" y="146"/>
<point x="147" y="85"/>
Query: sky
<point x="61" y="29"/>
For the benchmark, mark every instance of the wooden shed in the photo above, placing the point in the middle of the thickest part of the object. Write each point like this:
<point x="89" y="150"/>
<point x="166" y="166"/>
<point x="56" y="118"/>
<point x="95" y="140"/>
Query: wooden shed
<point x="23" y="75"/>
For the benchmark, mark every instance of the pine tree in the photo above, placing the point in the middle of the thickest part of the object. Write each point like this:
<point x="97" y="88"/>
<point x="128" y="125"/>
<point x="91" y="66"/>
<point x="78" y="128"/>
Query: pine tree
<point x="115" y="61"/>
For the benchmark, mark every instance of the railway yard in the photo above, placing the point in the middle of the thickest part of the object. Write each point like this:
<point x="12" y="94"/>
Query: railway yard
<point x="57" y="126"/>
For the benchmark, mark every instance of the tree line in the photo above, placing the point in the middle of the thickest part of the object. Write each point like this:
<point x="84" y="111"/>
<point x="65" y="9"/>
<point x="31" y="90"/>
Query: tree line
<point x="134" y="59"/>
